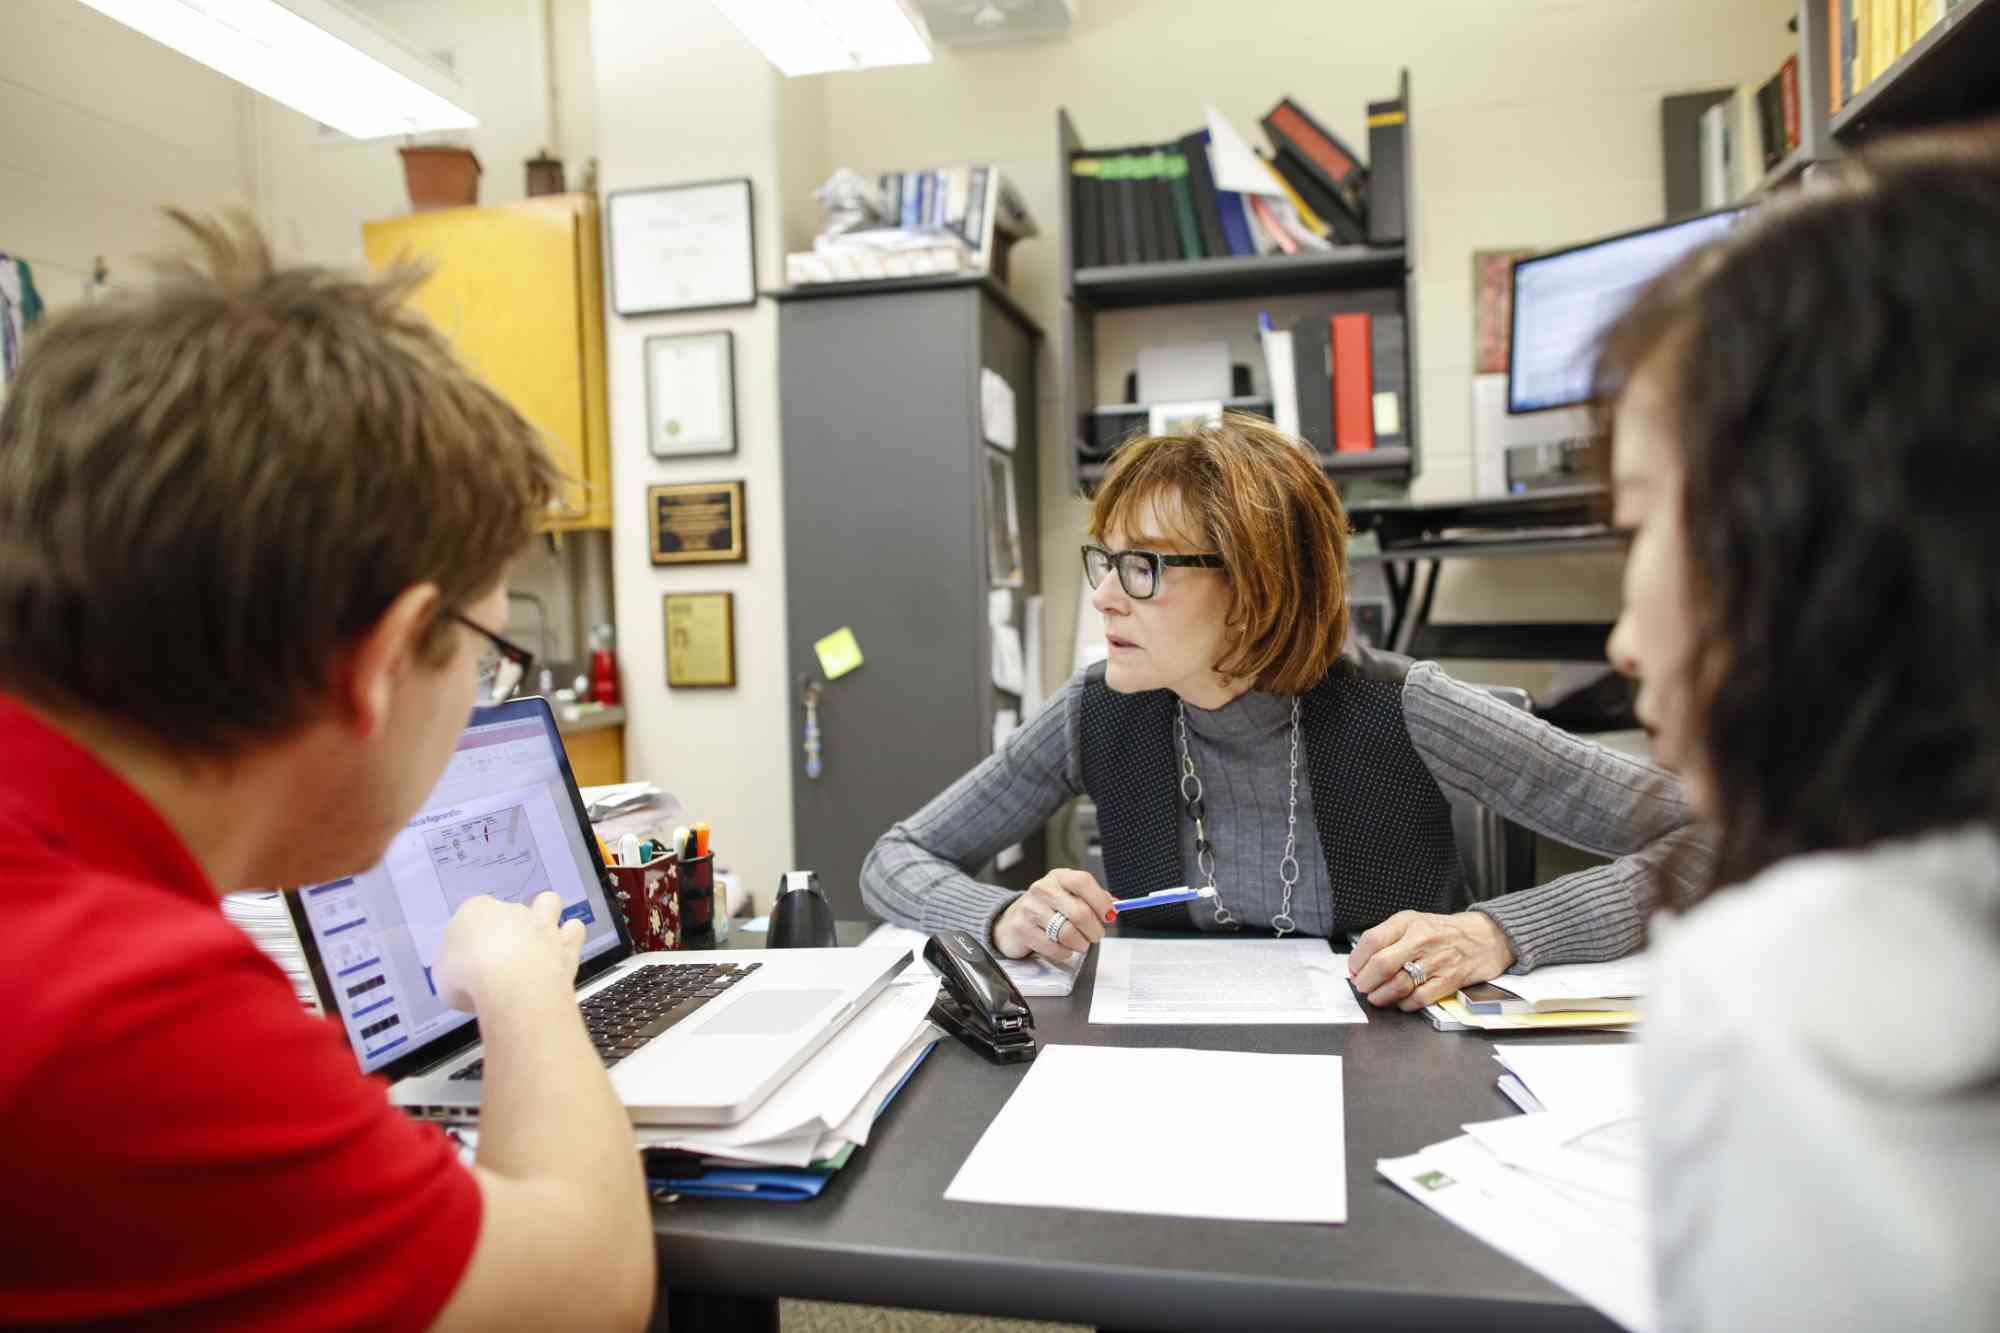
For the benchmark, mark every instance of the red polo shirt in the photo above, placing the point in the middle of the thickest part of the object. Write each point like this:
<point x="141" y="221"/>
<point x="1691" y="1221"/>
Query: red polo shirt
<point x="181" y="1146"/>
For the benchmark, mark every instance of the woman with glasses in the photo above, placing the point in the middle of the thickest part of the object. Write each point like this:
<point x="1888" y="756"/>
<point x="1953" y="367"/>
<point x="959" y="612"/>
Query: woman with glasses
<point x="1237" y="739"/>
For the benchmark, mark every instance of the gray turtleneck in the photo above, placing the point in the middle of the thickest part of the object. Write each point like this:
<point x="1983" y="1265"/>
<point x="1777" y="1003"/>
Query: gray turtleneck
<point x="1556" y="784"/>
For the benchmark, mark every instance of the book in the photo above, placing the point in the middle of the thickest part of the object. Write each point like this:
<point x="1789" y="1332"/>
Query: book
<point x="1788" y="73"/>
<point x="1388" y="171"/>
<point x="1086" y="243"/>
<point x="1307" y="215"/>
<point x="1771" y="121"/>
<point x="1343" y="226"/>
<point x="1389" y="364"/>
<point x="1286" y="242"/>
<point x="1201" y="186"/>
<point x="1353" y="385"/>
<point x="1312" y="374"/>
<point x="1337" y="166"/>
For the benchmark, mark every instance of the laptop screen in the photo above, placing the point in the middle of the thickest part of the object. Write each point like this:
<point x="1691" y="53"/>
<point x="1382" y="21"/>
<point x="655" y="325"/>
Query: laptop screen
<point x="501" y="821"/>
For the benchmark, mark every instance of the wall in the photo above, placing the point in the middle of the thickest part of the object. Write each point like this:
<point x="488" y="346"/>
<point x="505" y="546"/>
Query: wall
<point x="1533" y="122"/>
<point x="103" y="127"/>
<point x="681" y="97"/>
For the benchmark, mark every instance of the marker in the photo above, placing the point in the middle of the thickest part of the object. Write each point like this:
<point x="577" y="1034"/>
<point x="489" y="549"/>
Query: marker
<point x="701" y="840"/>
<point x="628" y="850"/>
<point x="1164" y="898"/>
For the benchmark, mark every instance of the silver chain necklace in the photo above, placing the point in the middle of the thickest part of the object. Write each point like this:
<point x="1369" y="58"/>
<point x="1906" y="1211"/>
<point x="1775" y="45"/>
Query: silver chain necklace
<point x="1204" y="850"/>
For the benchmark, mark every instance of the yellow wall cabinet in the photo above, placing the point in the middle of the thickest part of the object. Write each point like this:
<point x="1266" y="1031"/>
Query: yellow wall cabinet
<point x="518" y="289"/>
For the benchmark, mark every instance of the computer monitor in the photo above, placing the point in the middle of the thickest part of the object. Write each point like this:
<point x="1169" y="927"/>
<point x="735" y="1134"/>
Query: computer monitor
<point x="1565" y="300"/>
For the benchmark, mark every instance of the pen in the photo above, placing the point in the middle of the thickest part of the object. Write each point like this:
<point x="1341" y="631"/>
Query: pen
<point x="1163" y="898"/>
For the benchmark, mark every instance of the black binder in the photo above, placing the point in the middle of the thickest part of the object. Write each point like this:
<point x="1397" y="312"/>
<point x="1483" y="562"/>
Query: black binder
<point x="1312" y="374"/>
<point x="1201" y="184"/>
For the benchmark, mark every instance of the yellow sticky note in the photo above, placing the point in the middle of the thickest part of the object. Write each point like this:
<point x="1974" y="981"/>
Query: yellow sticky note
<point x="838" y="653"/>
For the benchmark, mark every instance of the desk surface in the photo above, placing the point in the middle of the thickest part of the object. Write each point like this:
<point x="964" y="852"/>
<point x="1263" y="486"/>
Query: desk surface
<point x="883" y="1233"/>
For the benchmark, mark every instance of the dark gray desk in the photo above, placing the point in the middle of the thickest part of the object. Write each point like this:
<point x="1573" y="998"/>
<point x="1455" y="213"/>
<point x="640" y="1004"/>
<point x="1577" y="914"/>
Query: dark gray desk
<point x="883" y="1234"/>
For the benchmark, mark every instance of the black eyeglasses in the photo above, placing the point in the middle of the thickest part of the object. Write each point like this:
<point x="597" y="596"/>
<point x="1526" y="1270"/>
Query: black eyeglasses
<point x="502" y="667"/>
<point x="1138" y="571"/>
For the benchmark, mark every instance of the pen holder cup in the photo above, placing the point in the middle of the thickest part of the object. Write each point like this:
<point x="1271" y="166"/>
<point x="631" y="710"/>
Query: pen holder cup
<point x="698" y="902"/>
<point x="650" y="897"/>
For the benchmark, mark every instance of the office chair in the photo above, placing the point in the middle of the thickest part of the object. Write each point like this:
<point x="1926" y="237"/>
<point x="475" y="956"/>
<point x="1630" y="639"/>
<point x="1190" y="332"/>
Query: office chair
<point x="1498" y="856"/>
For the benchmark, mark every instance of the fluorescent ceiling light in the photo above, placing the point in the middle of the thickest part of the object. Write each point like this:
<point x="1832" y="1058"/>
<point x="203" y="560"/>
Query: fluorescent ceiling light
<point x="317" y="57"/>
<point x="822" y="36"/>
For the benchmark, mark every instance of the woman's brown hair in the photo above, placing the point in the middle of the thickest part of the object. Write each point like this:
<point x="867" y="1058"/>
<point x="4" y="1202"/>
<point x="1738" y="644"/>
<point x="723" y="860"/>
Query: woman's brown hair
<point x="1255" y="495"/>
<point x="1837" y="405"/>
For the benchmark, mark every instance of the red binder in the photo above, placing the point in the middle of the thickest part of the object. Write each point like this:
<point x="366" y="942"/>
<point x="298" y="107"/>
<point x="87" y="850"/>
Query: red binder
<point x="1353" y="385"/>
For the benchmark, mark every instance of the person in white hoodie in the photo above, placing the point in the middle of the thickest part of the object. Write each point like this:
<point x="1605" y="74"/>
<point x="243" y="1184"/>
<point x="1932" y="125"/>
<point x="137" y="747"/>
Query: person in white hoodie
<point x="1806" y="446"/>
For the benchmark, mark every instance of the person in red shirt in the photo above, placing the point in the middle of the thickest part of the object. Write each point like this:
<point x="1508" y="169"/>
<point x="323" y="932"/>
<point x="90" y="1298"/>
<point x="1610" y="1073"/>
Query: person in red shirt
<point x="254" y="522"/>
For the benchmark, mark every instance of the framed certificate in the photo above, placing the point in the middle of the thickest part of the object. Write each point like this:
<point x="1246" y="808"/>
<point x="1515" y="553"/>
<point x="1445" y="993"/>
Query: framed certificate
<point x="701" y="640"/>
<point x="681" y="247"/>
<point x="690" y="394"/>
<point x="696" y="523"/>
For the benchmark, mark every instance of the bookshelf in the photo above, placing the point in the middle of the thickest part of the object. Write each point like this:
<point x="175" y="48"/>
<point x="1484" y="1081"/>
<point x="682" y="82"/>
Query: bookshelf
<point x="1952" y="72"/>
<point x="1374" y="279"/>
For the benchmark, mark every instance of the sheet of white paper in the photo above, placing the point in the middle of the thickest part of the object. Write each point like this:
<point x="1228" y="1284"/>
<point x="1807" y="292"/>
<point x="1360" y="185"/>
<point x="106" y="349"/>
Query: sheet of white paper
<point x="1152" y="1097"/>
<point x="1535" y="1223"/>
<point x="1622" y="978"/>
<point x="996" y="408"/>
<point x="1235" y="166"/>
<point x="1602" y="1158"/>
<point x="854" y="1129"/>
<point x="1222" y="981"/>
<point x="1031" y="976"/>
<point x="1587" y="1080"/>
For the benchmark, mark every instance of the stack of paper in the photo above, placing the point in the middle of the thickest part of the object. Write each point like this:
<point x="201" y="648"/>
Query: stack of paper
<point x="1568" y="995"/>
<point x="1559" y="1189"/>
<point x="827" y="1108"/>
<point x="788" y="1148"/>
<point x="1559" y="1192"/>
<point x="262" y="916"/>
<point x="1031" y="975"/>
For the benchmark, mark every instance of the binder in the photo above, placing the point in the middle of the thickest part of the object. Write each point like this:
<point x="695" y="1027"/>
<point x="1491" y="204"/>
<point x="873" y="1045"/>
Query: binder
<point x="1312" y="374"/>
<point x="1187" y="230"/>
<point x="1156" y="209"/>
<point x="1353" y="385"/>
<point x="1390" y="366"/>
<point x="1388" y="171"/>
<point x="1201" y="185"/>
<point x="1084" y="190"/>
<point x="1322" y="152"/>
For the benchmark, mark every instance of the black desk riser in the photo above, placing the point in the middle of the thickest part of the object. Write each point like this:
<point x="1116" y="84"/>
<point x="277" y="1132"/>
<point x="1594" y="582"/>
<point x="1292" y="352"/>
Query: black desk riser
<point x="882" y="1233"/>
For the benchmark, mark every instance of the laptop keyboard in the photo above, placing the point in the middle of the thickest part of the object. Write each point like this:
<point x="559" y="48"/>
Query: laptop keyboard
<point x="636" y="1008"/>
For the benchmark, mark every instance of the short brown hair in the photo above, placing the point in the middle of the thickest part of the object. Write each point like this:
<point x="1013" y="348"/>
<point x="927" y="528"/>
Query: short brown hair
<point x="209" y="487"/>
<point x="1254" y="494"/>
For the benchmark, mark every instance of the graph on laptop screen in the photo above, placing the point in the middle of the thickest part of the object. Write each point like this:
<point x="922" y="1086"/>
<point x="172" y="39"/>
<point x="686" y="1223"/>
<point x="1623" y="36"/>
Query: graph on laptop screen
<point x="1564" y="301"/>
<point x="499" y="822"/>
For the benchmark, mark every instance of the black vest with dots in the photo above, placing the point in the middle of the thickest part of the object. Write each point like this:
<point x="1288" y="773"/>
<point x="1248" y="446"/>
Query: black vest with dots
<point x="1382" y="821"/>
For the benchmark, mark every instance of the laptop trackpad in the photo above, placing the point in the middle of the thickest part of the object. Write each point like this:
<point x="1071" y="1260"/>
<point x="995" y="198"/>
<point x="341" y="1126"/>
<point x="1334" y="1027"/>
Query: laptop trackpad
<point x="768" y="1013"/>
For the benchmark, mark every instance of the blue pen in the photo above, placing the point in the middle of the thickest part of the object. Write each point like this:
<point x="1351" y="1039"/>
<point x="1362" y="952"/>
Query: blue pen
<point x="1164" y="898"/>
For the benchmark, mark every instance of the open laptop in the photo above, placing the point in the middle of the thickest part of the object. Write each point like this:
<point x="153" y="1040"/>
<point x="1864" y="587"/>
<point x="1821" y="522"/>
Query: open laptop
<point x="689" y="1038"/>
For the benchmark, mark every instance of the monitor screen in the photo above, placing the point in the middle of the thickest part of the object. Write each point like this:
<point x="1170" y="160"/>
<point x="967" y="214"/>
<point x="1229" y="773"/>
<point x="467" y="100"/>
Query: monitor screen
<point x="1564" y="301"/>
<point x="500" y="821"/>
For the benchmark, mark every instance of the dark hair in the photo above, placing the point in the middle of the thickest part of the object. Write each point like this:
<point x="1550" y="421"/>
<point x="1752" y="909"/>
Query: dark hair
<point x="1255" y="495"/>
<point x="210" y="486"/>
<point x="1835" y="365"/>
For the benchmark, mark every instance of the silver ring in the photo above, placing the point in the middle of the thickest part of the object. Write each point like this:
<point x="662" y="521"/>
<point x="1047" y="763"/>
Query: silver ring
<point x="1416" y="971"/>
<point x="1055" y="927"/>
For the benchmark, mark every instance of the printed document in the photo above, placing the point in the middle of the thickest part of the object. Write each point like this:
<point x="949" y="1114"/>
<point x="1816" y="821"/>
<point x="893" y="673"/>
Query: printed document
<point x="1584" y="1080"/>
<point x="1033" y="975"/>
<point x="1152" y="1110"/>
<point x="1222" y="981"/>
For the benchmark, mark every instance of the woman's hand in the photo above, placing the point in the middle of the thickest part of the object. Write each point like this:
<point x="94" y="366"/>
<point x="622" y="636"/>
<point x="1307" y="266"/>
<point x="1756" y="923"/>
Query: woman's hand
<point x="1024" y="927"/>
<point x="1453" y="951"/>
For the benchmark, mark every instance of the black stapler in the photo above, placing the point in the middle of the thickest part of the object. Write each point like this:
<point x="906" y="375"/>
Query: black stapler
<point x="978" y="1002"/>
